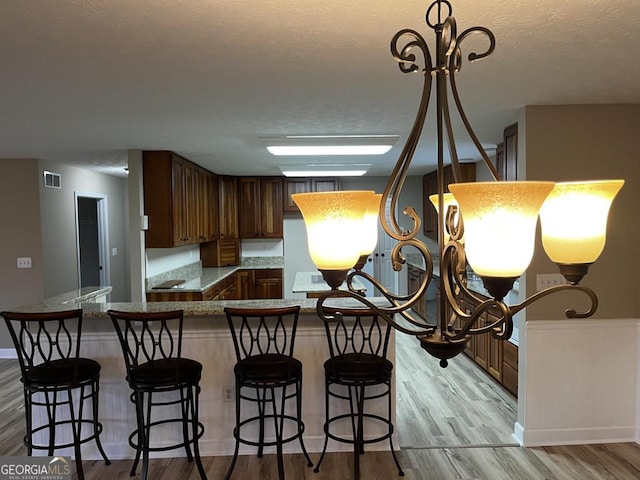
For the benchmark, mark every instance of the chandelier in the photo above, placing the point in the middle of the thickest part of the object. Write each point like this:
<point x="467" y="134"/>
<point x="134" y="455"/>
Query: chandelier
<point x="486" y="226"/>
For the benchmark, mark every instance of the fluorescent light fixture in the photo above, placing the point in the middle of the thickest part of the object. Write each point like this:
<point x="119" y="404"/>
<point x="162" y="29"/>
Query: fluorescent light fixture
<point x="328" y="170"/>
<point x="330" y="144"/>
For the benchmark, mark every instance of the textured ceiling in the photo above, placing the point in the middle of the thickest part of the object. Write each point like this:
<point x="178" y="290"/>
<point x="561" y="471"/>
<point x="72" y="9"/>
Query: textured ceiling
<point x="82" y="81"/>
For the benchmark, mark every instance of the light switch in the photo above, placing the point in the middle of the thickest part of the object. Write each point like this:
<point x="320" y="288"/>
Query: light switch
<point x="24" y="262"/>
<point x="114" y="252"/>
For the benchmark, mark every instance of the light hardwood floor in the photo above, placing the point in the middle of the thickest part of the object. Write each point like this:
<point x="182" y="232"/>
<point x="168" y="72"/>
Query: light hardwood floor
<point x="452" y="424"/>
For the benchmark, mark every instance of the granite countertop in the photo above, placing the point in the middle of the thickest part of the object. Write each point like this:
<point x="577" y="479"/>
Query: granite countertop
<point x="312" y="282"/>
<point x="199" y="308"/>
<point x="198" y="279"/>
<point x="78" y="296"/>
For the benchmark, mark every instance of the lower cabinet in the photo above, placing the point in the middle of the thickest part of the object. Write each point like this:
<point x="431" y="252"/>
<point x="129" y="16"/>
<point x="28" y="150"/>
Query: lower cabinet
<point x="415" y="276"/>
<point x="260" y="283"/>
<point x="225" y="289"/>
<point x="247" y="284"/>
<point x="498" y="358"/>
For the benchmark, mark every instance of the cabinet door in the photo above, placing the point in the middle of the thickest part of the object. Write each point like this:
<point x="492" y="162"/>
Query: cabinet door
<point x="160" y="199"/>
<point x="245" y="282"/>
<point x="249" y="207"/>
<point x="325" y="184"/>
<point x="482" y="346"/>
<point x="228" y="206"/>
<point x="494" y="361"/>
<point x="178" y="186"/>
<point x="210" y="207"/>
<point x="271" y="211"/>
<point x="429" y="214"/>
<point x="291" y="186"/>
<point x="268" y="283"/>
<point x="511" y="152"/>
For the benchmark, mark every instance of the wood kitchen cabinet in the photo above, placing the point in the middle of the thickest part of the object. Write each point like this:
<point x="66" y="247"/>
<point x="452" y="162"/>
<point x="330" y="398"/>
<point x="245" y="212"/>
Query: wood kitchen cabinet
<point x="507" y="154"/>
<point x="256" y="284"/>
<point x="415" y="276"/>
<point x="306" y="185"/>
<point x="430" y="187"/>
<point x="178" y="201"/>
<point x="497" y="357"/>
<point x="268" y="283"/>
<point x="228" y="206"/>
<point x="260" y="202"/>
<point x="225" y="289"/>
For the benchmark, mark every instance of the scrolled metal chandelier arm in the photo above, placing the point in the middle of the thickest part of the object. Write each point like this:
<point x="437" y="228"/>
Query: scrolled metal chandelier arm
<point x="407" y="63"/>
<point x="455" y="65"/>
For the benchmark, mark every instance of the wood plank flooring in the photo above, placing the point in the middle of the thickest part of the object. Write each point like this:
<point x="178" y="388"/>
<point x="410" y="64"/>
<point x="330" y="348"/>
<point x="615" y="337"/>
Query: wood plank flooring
<point x="452" y="424"/>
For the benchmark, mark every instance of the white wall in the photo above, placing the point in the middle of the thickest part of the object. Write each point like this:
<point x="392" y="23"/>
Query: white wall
<point x="58" y="216"/>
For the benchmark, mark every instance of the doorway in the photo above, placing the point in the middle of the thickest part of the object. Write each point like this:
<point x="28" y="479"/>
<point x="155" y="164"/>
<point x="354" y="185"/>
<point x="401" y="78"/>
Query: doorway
<point x="91" y="238"/>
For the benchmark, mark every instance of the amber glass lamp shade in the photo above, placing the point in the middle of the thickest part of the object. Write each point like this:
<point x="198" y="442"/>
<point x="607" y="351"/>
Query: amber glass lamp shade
<point x="369" y="233"/>
<point x="500" y="223"/>
<point x="334" y="225"/>
<point x="574" y="220"/>
<point x="448" y="200"/>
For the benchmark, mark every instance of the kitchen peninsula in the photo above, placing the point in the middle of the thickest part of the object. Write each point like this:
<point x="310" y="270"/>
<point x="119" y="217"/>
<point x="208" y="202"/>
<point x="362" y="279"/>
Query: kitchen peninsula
<point x="206" y="339"/>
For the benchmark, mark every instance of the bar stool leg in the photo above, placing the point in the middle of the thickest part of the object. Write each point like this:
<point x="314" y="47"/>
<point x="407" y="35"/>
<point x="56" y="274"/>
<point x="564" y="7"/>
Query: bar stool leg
<point x="261" y="410"/>
<point x="51" y="418"/>
<point x="137" y="399"/>
<point x="236" y="434"/>
<point x="184" y="406"/>
<point x="28" y="438"/>
<point x="95" y="389"/>
<point x="326" y="425"/>
<point x="76" y="426"/>
<point x="147" y="434"/>
<point x="298" y="393"/>
<point x="194" y="403"/>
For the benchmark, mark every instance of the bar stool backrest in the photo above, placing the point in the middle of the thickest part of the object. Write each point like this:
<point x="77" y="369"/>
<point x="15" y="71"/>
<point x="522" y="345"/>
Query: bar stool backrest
<point x="43" y="337"/>
<point x="356" y="331"/>
<point x="148" y="336"/>
<point x="257" y="331"/>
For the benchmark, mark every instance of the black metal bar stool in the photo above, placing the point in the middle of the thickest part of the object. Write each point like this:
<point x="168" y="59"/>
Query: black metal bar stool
<point x="357" y="371"/>
<point x="55" y="377"/>
<point x="267" y="374"/>
<point x="152" y="346"/>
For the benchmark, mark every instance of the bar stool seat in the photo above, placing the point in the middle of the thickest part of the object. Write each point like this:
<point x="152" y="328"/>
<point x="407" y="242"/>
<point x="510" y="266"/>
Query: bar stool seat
<point x="171" y="373"/>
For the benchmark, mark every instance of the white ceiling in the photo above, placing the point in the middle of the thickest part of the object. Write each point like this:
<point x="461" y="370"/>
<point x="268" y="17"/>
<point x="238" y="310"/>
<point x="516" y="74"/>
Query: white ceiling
<point x="82" y="81"/>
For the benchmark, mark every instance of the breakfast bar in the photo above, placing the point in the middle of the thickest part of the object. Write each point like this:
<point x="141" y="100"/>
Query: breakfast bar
<point x="207" y="339"/>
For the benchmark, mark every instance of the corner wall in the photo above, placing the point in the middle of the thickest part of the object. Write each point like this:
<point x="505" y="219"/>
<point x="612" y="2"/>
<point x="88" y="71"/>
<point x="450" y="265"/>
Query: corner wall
<point x="581" y="376"/>
<point x="20" y="220"/>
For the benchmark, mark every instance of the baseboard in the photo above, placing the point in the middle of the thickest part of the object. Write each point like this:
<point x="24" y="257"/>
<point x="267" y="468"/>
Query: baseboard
<point x="224" y="447"/>
<point x="8" y="353"/>
<point x="573" y="436"/>
<point x="518" y="433"/>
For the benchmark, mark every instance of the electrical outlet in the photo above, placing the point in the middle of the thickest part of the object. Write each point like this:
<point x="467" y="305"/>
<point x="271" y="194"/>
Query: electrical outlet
<point x="546" y="280"/>
<point x="24" y="262"/>
<point x="227" y="394"/>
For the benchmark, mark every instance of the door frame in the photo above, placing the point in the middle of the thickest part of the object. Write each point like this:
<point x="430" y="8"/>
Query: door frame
<point x="103" y="236"/>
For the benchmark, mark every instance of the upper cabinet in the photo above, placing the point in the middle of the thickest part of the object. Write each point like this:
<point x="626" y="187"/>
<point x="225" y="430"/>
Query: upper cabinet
<point x="507" y="154"/>
<point x="430" y="187"/>
<point x="260" y="212"/>
<point x="180" y="200"/>
<point x="228" y="203"/>
<point x="306" y="185"/>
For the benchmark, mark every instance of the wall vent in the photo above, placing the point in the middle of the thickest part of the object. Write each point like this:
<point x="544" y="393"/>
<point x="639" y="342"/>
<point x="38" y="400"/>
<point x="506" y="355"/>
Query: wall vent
<point x="52" y="180"/>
